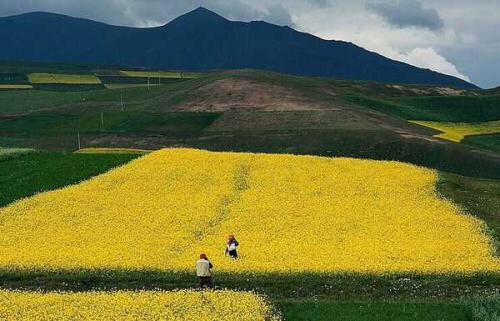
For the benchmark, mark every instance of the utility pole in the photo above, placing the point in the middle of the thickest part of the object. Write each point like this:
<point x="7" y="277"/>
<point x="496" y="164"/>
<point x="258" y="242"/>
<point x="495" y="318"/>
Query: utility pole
<point x="79" y="143"/>
<point x="159" y="79"/>
<point x="121" y="100"/>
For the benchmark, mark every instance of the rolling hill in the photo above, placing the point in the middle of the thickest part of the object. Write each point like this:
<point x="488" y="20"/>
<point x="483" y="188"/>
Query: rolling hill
<point x="201" y="40"/>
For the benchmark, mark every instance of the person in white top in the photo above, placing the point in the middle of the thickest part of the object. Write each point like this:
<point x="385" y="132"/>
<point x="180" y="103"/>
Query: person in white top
<point x="231" y="246"/>
<point x="204" y="271"/>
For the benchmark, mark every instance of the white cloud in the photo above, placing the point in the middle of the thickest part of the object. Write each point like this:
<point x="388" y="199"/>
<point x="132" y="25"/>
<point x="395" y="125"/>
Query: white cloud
<point x="429" y="58"/>
<point x="416" y="46"/>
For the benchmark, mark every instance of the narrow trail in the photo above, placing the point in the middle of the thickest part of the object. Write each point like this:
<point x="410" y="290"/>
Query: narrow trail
<point x="240" y="177"/>
<point x="240" y="184"/>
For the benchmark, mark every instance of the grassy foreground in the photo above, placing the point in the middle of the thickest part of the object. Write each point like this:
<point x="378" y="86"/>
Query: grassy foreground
<point x="373" y="310"/>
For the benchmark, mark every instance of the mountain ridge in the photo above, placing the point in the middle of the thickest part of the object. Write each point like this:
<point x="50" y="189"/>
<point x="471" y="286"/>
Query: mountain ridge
<point x="202" y="40"/>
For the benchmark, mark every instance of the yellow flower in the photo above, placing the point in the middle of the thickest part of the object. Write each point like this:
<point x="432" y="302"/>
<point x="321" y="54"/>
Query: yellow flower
<point x="290" y="214"/>
<point x="146" y="305"/>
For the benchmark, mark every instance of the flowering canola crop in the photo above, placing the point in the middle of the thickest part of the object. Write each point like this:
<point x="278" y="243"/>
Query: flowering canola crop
<point x="147" y="305"/>
<point x="456" y="132"/>
<point x="290" y="214"/>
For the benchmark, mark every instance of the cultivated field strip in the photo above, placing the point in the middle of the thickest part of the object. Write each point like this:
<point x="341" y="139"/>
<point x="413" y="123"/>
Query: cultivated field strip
<point x="456" y="132"/>
<point x="47" y="78"/>
<point x="290" y="213"/>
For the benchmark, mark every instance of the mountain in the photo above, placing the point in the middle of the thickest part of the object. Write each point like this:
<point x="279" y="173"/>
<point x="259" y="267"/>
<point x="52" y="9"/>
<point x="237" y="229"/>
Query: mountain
<point x="201" y="40"/>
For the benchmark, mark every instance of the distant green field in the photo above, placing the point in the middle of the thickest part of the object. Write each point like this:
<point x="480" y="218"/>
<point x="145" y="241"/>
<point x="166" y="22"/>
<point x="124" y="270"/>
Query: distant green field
<point x="97" y="150"/>
<point x="488" y="142"/>
<point x="15" y="101"/>
<point x="9" y="153"/>
<point x="49" y="78"/>
<point x="443" y="109"/>
<point x="30" y="174"/>
<point x="125" y="86"/>
<point x="58" y="131"/>
<point x="12" y="78"/>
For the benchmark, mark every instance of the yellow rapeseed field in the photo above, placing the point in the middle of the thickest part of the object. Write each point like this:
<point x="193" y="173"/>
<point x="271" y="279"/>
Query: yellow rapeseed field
<point x="147" y="305"/>
<point x="113" y="150"/>
<point x="456" y="132"/>
<point x="46" y="78"/>
<point x="290" y="214"/>
<point x="161" y="74"/>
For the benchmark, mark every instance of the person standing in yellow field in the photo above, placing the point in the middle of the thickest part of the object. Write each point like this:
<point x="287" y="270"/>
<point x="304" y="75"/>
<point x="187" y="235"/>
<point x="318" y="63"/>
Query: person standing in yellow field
<point x="231" y="246"/>
<point x="204" y="271"/>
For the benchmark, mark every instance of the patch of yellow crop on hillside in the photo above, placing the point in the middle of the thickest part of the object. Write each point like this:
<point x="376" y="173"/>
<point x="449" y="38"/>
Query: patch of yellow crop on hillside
<point x="68" y="79"/>
<point x="290" y="214"/>
<point x="16" y="86"/>
<point x="145" y="305"/>
<point x="111" y="150"/>
<point x="456" y="132"/>
<point x="161" y="74"/>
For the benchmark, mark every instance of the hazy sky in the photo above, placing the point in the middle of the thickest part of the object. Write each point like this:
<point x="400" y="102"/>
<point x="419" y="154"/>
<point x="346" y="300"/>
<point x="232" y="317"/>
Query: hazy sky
<point x="456" y="37"/>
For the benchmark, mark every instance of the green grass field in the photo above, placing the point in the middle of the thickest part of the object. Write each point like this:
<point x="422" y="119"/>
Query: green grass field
<point x="12" y="78"/>
<point x="29" y="174"/>
<point x="373" y="310"/>
<point x="486" y="142"/>
<point x="440" y="109"/>
<point x="10" y="153"/>
<point x="480" y="197"/>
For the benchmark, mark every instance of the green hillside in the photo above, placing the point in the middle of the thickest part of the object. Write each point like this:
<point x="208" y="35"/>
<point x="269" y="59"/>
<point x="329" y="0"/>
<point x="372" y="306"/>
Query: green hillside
<point x="264" y="112"/>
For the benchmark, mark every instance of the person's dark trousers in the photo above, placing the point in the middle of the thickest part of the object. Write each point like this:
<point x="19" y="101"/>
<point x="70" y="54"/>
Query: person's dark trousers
<point x="206" y="282"/>
<point x="233" y="254"/>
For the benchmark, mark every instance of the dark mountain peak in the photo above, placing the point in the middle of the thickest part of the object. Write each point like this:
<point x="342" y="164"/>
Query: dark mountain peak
<point x="199" y="16"/>
<point x="36" y="15"/>
<point x="41" y="17"/>
<point x="201" y="40"/>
